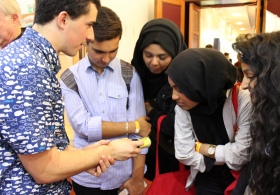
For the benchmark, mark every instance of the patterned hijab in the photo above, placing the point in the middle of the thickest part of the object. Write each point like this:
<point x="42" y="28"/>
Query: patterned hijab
<point x="165" y="33"/>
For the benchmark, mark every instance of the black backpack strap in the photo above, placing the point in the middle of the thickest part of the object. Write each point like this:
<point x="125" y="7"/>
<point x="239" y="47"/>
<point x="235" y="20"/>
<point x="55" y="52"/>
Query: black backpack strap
<point x="69" y="80"/>
<point x="127" y="73"/>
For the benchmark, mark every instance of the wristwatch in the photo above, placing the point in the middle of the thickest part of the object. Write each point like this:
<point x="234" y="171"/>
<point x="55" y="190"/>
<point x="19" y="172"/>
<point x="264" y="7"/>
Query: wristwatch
<point x="211" y="150"/>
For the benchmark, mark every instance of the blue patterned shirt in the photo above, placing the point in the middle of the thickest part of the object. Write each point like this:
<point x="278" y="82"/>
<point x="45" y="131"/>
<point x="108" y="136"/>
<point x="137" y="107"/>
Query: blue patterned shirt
<point x="31" y="112"/>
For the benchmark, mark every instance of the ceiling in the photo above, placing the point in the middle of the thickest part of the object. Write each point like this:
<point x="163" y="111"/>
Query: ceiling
<point x="239" y="14"/>
<point x="241" y="18"/>
<point x="221" y="2"/>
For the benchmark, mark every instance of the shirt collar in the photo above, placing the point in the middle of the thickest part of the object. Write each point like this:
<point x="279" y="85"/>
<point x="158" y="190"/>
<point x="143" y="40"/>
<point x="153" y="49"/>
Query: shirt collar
<point x="45" y="46"/>
<point x="90" y="67"/>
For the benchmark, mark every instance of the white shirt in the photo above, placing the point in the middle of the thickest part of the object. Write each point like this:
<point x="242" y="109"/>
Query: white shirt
<point x="234" y="154"/>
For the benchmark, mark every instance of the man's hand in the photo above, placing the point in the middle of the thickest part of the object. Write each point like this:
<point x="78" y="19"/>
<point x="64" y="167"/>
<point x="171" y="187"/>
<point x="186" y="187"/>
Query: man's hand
<point x="123" y="149"/>
<point x="148" y="107"/>
<point x="134" y="186"/>
<point x="145" y="126"/>
<point x="96" y="144"/>
<point x="104" y="164"/>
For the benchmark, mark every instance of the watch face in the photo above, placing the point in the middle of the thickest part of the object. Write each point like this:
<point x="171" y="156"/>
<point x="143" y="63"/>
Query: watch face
<point x="211" y="150"/>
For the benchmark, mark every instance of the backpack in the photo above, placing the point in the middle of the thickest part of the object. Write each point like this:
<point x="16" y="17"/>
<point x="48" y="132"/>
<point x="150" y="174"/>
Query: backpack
<point x="127" y="72"/>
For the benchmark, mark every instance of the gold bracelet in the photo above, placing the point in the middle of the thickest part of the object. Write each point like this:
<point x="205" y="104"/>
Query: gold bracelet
<point x="137" y="126"/>
<point x="197" y="146"/>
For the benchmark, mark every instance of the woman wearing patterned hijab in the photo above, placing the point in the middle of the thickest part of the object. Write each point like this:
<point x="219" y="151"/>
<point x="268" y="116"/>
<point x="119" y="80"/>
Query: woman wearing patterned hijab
<point x="160" y="40"/>
<point x="202" y="82"/>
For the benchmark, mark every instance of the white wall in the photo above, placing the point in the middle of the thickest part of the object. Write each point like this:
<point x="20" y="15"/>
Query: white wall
<point x="133" y="14"/>
<point x="272" y="22"/>
<point x="25" y="4"/>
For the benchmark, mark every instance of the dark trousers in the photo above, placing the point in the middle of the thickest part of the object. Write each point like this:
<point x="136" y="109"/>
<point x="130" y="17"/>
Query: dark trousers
<point x="81" y="190"/>
<point x="213" y="182"/>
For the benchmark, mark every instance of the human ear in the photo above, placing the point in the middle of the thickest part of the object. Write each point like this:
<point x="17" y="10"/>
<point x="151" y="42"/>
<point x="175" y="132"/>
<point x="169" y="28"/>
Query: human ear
<point x="62" y="19"/>
<point x="15" y="17"/>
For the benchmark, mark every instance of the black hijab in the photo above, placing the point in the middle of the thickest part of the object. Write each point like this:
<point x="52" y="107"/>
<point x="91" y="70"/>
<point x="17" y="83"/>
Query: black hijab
<point x="204" y="75"/>
<point x="165" y="33"/>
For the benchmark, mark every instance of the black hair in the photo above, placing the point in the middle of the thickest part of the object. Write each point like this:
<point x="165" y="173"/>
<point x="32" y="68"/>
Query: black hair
<point x="108" y="25"/>
<point x="209" y="46"/>
<point x="47" y="10"/>
<point x="262" y="54"/>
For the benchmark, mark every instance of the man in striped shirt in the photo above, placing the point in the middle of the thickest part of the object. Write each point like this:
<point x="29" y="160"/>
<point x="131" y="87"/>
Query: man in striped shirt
<point x="98" y="110"/>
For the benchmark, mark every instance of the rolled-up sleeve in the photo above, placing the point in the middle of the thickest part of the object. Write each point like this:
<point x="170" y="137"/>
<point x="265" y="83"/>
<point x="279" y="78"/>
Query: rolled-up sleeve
<point x="185" y="141"/>
<point x="236" y="153"/>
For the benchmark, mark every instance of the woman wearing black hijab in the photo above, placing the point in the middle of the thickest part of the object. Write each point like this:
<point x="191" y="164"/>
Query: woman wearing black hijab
<point x="160" y="40"/>
<point x="202" y="82"/>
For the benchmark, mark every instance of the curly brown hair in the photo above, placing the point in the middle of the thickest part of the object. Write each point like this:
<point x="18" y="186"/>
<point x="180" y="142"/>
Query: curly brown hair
<point x="262" y="54"/>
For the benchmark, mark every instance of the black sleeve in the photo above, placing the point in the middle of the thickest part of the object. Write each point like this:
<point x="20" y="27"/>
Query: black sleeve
<point x="167" y="126"/>
<point x="243" y="180"/>
<point x="163" y="105"/>
<point x="209" y="163"/>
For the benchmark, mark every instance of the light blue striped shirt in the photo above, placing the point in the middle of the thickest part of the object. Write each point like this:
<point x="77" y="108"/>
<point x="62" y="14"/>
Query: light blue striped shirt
<point x="102" y="98"/>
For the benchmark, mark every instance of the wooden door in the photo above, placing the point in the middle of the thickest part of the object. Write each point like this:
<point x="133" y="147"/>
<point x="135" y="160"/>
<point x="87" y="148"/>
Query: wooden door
<point x="194" y="26"/>
<point x="173" y="10"/>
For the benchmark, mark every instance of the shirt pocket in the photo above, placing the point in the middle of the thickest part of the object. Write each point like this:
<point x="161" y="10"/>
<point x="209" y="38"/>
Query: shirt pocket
<point x="117" y="102"/>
